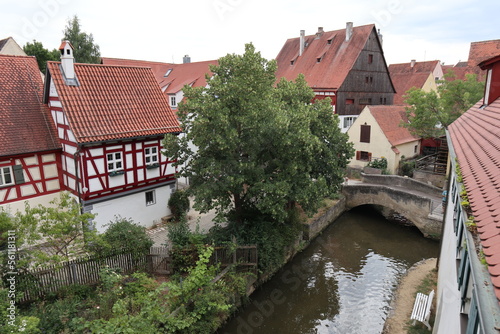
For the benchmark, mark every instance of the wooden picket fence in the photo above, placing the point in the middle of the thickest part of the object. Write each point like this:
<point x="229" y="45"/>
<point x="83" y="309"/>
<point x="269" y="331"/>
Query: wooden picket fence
<point x="38" y="283"/>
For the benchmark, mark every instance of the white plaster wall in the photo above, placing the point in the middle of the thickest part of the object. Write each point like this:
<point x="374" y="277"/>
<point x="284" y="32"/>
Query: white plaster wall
<point x="134" y="207"/>
<point x="44" y="200"/>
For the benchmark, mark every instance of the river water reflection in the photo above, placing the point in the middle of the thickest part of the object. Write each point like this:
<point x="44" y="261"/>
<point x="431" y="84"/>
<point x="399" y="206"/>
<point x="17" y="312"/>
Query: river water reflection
<point x="342" y="283"/>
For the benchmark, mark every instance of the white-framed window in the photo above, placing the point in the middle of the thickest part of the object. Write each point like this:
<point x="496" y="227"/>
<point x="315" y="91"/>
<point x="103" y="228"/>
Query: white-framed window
<point x="151" y="155"/>
<point x="150" y="197"/>
<point x="173" y="101"/>
<point x="115" y="161"/>
<point x="6" y="176"/>
<point x="348" y="121"/>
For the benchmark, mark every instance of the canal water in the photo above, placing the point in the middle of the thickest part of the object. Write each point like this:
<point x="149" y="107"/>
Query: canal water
<point x="342" y="283"/>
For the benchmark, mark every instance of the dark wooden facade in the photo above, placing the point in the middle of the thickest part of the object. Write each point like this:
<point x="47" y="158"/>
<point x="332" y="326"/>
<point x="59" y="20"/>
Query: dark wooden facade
<point x="368" y="82"/>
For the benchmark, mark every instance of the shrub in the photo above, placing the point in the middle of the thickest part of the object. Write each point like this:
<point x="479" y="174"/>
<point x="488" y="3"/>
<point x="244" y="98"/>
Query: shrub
<point x="179" y="204"/>
<point x="123" y="233"/>
<point x="407" y="167"/>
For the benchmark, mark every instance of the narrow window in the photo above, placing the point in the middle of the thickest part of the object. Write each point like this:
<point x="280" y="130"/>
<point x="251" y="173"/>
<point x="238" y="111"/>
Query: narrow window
<point x="365" y="134"/>
<point x="151" y="155"/>
<point x="370" y="58"/>
<point x="150" y="197"/>
<point x="415" y="149"/>
<point x="173" y="101"/>
<point x="114" y="161"/>
<point x="6" y="178"/>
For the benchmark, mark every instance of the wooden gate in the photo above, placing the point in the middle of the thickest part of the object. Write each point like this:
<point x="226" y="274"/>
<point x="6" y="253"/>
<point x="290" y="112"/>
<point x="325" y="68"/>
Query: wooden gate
<point x="159" y="261"/>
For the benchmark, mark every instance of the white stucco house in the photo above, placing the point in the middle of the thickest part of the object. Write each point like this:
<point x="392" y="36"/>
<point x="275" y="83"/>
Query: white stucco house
<point x="377" y="133"/>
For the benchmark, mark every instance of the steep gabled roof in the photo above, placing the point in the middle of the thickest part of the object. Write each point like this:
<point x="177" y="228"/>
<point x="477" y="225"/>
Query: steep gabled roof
<point x="113" y="102"/>
<point x="476" y="141"/>
<point x="418" y="67"/>
<point x="192" y="74"/>
<point x="404" y="81"/>
<point x="172" y="76"/>
<point x="25" y="122"/>
<point x="159" y="69"/>
<point x="389" y="118"/>
<point x="337" y="57"/>
<point x="481" y="51"/>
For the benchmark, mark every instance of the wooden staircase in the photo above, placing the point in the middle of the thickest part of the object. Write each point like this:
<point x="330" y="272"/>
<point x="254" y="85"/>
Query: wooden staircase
<point x="441" y="157"/>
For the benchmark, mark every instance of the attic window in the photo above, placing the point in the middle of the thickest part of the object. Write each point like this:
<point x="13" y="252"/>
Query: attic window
<point x="349" y="101"/>
<point x="168" y="73"/>
<point x="330" y="41"/>
<point x="292" y="61"/>
<point x="370" y="58"/>
<point x="319" y="59"/>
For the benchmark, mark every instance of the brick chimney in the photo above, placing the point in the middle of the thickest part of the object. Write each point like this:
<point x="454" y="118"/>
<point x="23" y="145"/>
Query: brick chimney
<point x="348" y="31"/>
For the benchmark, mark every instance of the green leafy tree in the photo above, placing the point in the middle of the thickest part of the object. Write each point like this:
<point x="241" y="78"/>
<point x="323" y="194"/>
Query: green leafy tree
<point x="42" y="54"/>
<point x="260" y="145"/>
<point x="429" y="113"/>
<point x="85" y="50"/>
<point x="55" y="233"/>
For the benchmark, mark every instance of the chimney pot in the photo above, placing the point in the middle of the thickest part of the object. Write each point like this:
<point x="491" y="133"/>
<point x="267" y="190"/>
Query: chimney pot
<point x="348" y="31"/>
<point x="186" y="59"/>
<point x="320" y="32"/>
<point x="67" y="62"/>
<point x="301" y="41"/>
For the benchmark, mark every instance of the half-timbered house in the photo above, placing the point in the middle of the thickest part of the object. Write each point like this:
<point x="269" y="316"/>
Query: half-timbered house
<point x="111" y="121"/>
<point x="346" y="65"/>
<point x="29" y="147"/>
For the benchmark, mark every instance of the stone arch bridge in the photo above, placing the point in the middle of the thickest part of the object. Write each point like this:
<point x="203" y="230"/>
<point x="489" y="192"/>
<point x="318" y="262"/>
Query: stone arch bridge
<point x="418" y="202"/>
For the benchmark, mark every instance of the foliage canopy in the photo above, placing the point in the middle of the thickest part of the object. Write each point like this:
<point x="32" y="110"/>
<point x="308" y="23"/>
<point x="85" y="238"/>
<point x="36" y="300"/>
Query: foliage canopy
<point x="429" y="113"/>
<point x="259" y="145"/>
<point x="42" y="54"/>
<point x="85" y="50"/>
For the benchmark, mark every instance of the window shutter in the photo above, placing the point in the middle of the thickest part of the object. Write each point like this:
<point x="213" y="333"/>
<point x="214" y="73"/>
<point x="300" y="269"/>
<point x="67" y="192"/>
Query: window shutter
<point x="358" y="155"/>
<point x="18" y="174"/>
<point x="365" y="134"/>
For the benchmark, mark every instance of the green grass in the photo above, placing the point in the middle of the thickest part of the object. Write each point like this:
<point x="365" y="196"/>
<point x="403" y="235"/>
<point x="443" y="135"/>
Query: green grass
<point x="428" y="283"/>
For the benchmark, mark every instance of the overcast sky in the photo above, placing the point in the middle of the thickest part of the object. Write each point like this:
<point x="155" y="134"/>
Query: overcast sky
<point x="208" y="29"/>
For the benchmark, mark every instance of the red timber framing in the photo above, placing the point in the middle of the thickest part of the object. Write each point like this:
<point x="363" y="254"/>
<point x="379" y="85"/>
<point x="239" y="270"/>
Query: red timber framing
<point x="99" y="176"/>
<point x="33" y="175"/>
<point x="86" y="169"/>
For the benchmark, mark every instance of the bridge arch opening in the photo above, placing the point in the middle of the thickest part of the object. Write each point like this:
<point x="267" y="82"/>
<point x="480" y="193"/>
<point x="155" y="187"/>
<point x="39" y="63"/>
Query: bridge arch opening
<point x="388" y="213"/>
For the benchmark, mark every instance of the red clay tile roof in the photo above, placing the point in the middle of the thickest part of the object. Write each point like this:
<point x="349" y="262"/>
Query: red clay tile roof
<point x="188" y="74"/>
<point x="481" y="51"/>
<point x="25" y="122"/>
<point x="113" y="102"/>
<point x="389" y="119"/>
<point x="337" y="58"/>
<point x="476" y="140"/>
<point x="404" y="81"/>
<point x="180" y="75"/>
<point x="159" y="69"/>
<point x="420" y="66"/>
